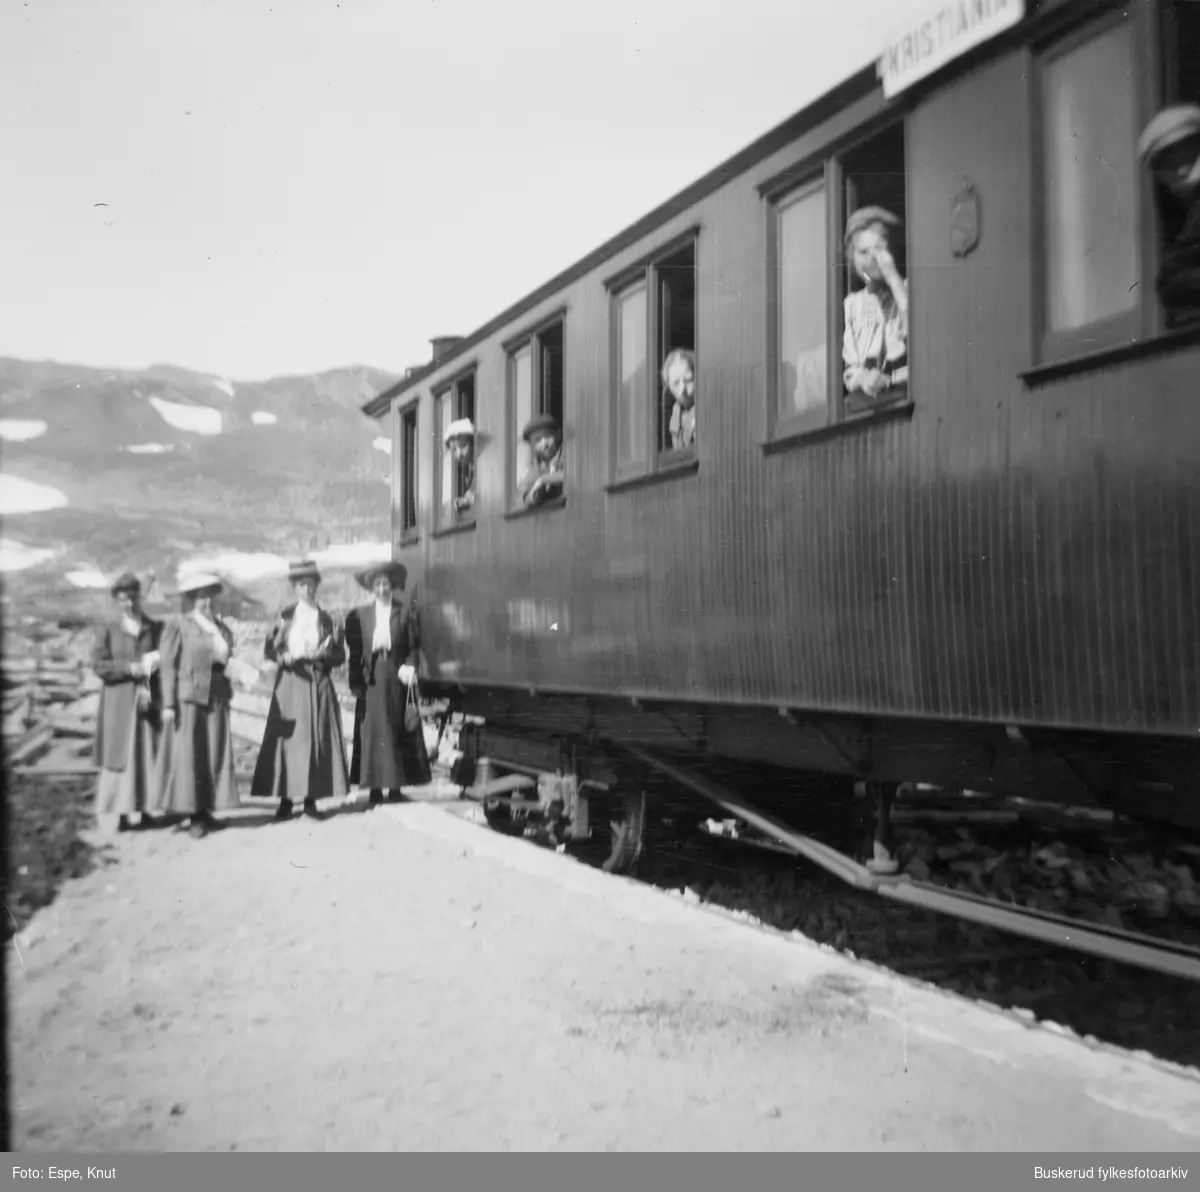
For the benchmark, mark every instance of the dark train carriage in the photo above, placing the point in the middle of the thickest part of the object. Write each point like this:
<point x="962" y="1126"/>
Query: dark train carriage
<point x="988" y="577"/>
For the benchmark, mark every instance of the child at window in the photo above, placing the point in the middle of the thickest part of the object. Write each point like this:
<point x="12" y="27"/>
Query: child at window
<point x="545" y="479"/>
<point x="1170" y="149"/>
<point x="875" y="344"/>
<point x="679" y="376"/>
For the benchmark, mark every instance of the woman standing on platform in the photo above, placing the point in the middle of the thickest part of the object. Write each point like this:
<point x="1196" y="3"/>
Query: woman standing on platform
<point x="196" y="759"/>
<point x="125" y="658"/>
<point x="383" y="641"/>
<point x="303" y="757"/>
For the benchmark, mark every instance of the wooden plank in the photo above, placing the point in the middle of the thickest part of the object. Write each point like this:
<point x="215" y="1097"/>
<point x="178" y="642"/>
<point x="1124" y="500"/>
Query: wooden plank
<point x="37" y="742"/>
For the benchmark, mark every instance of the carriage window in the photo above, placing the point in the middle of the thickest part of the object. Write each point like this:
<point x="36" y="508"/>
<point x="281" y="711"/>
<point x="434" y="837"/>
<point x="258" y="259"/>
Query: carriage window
<point x="677" y="345"/>
<point x="802" y="396"/>
<point x="655" y="387"/>
<point x="536" y="385"/>
<point x="875" y="301"/>
<point x="852" y="315"/>
<point x="408" y="474"/>
<point x="456" y="480"/>
<point x="1090" y="188"/>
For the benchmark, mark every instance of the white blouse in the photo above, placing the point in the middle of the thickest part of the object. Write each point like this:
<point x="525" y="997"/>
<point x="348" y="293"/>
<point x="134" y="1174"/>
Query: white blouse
<point x="383" y="628"/>
<point x="873" y="332"/>
<point x="305" y="634"/>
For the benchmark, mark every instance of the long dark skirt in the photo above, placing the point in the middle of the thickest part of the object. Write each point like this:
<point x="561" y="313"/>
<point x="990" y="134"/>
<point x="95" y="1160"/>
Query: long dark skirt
<point x="303" y="755"/>
<point x="131" y="788"/>
<point x="195" y="762"/>
<point x="386" y="757"/>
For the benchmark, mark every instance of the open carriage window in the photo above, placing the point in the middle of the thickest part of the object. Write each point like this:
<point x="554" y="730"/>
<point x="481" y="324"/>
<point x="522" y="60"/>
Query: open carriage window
<point x="536" y="386"/>
<point x="456" y="480"/>
<point x="405" y="462"/>
<point x="655" y="382"/>
<point x="839" y="325"/>
<point x="875" y="295"/>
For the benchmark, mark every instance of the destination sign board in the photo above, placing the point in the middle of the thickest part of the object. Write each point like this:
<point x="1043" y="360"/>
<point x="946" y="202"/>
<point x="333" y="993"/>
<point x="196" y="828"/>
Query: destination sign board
<point x="945" y="31"/>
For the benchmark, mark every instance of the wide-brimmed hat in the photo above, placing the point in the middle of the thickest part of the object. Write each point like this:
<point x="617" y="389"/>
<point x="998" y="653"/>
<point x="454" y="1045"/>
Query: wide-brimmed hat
<point x="396" y="572"/>
<point x="1169" y="127"/>
<point x="540" y="422"/>
<point x="304" y="569"/>
<point x="126" y="582"/>
<point x="199" y="583"/>
<point x="460" y="428"/>
<point x="864" y="217"/>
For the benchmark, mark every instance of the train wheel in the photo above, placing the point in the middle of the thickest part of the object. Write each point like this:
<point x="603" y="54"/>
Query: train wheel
<point x="628" y="827"/>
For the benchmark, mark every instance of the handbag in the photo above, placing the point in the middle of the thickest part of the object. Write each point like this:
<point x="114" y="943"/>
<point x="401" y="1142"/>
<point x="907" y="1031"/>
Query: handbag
<point x="412" y="711"/>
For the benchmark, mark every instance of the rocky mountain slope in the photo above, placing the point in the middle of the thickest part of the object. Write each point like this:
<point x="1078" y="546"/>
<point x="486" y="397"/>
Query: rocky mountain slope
<point x="156" y="467"/>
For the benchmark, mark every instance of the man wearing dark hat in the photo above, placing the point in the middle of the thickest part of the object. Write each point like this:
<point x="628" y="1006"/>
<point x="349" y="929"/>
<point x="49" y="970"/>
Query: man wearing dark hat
<point x="383" y="642"/>
<point x="125" y="658"/>
<point x="545" y="478"/>
<point x="1170" y="148"/>
<point x="875" y="345"/>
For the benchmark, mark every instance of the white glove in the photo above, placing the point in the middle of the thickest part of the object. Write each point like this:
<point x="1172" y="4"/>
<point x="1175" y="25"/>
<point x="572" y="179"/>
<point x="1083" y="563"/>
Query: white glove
<point x="408" y="675"/>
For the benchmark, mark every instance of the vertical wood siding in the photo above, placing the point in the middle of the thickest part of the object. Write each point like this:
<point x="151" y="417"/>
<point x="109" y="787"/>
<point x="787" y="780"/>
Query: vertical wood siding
<point x="1008" y="554"/>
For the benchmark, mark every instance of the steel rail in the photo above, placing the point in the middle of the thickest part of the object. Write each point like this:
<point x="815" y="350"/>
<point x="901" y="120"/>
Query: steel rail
<point x="1127" y="947"/>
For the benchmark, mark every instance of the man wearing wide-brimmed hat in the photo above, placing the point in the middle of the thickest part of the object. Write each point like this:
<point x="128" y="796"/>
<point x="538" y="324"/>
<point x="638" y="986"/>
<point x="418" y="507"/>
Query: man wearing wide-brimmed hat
<point x="1170" y="148"/>
<point x="125" y="658"/>
<point x="195" y="763"/>
<point x="383" y="642"/>
<point x="544" y="479"/>
<point x="460" y="442"/>
<point x="303" y="757"/>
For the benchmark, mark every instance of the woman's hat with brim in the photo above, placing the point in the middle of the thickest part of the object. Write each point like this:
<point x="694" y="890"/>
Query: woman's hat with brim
<point x="304" y="569"/>
<point x="537" y="423"/>
<point x="461" y="428"/>
<point x="1169" y="127"/>
<point x="864" y="217"/>
<point x="128" y="582"/>
<point x="199" y="584"/>
<point x="396" y="572"/>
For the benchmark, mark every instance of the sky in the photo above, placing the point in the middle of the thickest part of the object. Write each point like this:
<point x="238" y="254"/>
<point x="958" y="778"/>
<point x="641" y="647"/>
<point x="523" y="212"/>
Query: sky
<point x="295" y="185"/>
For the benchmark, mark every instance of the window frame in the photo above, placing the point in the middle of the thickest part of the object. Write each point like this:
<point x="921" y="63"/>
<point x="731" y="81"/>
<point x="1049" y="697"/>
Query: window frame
<point x="406" y="535"/>
<point x="530" y="337"/>
<point x="1145" y="319"/>
<point x="826" y="170"/>
<point x="459" y="519"/>
<point x="645" y="272"/>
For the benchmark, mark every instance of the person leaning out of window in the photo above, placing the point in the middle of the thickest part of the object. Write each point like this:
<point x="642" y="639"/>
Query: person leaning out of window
<point x="1170" y="149"/>
<point x="679" y="378"/>
<point x="875" y="343"/>
<point x="544" y="480"/>
<point x="460" y="442"/>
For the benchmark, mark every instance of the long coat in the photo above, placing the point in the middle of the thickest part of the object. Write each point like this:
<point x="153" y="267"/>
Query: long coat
<point x="303" y="756"/>
<point x="195" y="764"/>
<point x="113" y="651"/>
<point x="384" y="756"/>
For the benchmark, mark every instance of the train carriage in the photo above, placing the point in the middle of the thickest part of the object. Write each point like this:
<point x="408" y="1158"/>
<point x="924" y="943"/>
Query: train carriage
<point x="988" y="577"/>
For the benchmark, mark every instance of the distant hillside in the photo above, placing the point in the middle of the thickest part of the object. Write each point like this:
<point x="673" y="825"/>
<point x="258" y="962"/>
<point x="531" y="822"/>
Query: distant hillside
<point x="163" y="464"/>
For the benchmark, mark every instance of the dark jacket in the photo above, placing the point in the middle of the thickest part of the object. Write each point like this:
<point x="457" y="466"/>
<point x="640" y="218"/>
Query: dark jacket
<point x="1179" y="271"/>
<point x="360" y="632"/>
<point x="113" y="651"/>
<point x="328" y="660"/>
